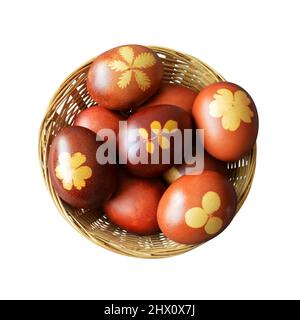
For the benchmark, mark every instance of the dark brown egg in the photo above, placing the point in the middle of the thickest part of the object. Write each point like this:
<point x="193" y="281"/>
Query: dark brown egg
<point x="97" y="118"/>
<point x="152" y="133"/>
<point x="74" y="171"/>
<point x="195" y="209"/>
<point x="229" y="118"/>
<point x="134" y="205"/>
<point x="208" y="163"/>
<point x="124" y="77"/>
<point x="173" y="94"/>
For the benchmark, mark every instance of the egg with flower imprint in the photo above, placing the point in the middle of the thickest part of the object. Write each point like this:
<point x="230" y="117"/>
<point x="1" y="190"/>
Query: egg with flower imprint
<point x="147" y="145"/>
<point x="124" y="77"/>
<point x="74" y="171"/>
<point x="229" y="118"/>
<point x="196" y="208"/>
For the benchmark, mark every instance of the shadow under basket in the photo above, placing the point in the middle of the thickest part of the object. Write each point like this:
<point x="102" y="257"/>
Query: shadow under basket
<point x="71" y="98"/>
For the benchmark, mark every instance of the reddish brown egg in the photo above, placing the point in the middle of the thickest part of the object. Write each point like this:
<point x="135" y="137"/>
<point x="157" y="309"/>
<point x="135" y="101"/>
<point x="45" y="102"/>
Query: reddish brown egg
<point x="97" y="118"/>
<point x="134" y="205"/>
<point x="74" y="171"/>
<point x="195" y="209"/>
<point x="152" y="132"/>
<point x="229" y="118"/>
<point x="210" y="163"/>
<point x="173" y="94"/>
<point x="124" y="77"/>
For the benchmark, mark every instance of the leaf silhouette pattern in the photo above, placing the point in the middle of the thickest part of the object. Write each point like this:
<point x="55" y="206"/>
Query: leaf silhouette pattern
<point x="132" y="64"/>
<point x="144" y="60"/>
<point x="125" y="79"/>
<point x="71" y="171"/>
<point x="118" y="65"/>
<point x="127" y="54"/>
<point x="232" y="108"/>
<point x="199" y="217"/>
<point x="142" y="80"/>
<point x="158" y="131"/>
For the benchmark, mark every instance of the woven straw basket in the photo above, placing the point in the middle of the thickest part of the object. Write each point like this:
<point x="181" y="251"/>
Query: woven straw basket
<point x="71" y="98"/>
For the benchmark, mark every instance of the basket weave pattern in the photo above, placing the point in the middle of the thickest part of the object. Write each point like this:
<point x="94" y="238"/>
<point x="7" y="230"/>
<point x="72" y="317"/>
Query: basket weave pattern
<point x="71" y="98"/>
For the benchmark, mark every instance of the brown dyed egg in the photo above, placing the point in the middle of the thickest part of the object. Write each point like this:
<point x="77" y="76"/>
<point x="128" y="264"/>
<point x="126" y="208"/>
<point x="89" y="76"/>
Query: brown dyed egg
<point x="134" y="205"/>
<point x="74" y="171"/>
<point x="97" y="118"/>
<point x="124" y="77"/>
<point x="229" y="118"/>
<point x="174" y="94"/>
<point x="195" y="209"/>
<point x="210" y="163"/>
<point x="149" y="139"/>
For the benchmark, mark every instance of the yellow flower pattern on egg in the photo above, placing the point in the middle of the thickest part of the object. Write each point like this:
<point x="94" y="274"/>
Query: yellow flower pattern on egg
<point x="232" y="108"/>
<point x="71" y="172"/>
<point x="133" y="65"/>
<point x="158" y="133"/>
<point x="198" y="217"/>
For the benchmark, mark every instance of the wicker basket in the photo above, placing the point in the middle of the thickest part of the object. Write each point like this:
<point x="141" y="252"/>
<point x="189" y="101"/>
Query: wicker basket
<point x="71" y="98"/>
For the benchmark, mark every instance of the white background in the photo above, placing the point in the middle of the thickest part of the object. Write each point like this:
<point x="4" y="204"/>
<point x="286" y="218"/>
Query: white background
<point x="253" y="43"/>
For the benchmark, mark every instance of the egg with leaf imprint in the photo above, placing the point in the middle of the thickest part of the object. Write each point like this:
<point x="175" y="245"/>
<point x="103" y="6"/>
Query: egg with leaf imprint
<point x="74" y="171"/>
<point x="195" y="209"/>
<point x="124" y="77"/>
<point x="147" y="144"/>
<point x="229" y="118"/>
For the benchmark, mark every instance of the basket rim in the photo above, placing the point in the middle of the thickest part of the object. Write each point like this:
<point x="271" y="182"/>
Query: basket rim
<point x="154" y="253"/>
